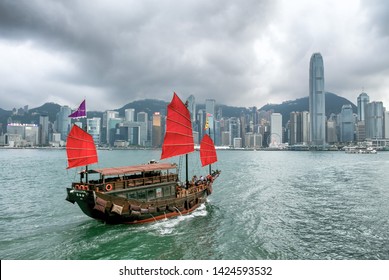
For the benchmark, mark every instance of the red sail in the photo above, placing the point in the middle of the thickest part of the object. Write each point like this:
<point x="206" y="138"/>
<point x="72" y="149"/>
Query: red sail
<point x="178" y="137"/>
<point x="80" y="148"/>
<point x="207" y="151"/>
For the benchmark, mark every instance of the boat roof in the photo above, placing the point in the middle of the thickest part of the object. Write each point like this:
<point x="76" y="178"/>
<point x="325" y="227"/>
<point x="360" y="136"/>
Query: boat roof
<point x="133" y="169"/>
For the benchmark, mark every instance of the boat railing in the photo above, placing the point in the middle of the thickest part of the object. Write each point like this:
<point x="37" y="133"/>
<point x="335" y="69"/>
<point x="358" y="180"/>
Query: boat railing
<point x="121" y="183"/>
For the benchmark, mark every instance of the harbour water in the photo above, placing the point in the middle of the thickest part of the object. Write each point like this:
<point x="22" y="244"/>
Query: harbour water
<point x="265" y="205"/>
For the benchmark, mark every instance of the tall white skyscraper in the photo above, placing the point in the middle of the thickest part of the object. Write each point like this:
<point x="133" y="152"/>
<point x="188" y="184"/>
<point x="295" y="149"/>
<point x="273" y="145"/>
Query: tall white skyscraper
<point x="317" y="100"/>
<point x="129" y="115"/>
<point x="275" y="129"/>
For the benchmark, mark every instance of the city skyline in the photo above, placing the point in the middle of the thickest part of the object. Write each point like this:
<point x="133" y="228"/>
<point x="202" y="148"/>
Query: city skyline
<point x="253" y="129"/>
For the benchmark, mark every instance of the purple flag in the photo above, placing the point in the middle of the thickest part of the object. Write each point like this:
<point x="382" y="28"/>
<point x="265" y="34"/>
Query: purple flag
<point x="80" y="112"/>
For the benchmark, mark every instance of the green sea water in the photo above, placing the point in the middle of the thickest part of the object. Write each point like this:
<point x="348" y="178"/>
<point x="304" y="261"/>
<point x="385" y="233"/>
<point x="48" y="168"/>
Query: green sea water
<point x="265" y="205"/>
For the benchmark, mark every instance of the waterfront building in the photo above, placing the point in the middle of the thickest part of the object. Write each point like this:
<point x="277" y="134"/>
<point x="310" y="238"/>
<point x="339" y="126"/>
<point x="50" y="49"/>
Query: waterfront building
<point x="134" y="133"/>
<point x="14" y="140"/>
<point x="299" y="128"/>
<point x="276" y="131"/>
<point x="129" y="115"/>
<point x="196" y="139"/>
<point x="144" y="118"/>
<point x="94" y="128"/>
<point x="106" y="120"/>
<point x="386" y="128"/>
<point x="317" y="100"/>
<point x="29" y="134"/>
<point x="112" y="129"/>
<point x="225" y="141"/>
<point x="362" y="100"/>
<point x="332" y="136"/>
<point x="210" y="117"/>
<point x="44" y="130"/>
<point x="192" y="107"/>
<point x="347" y="124"/>
<point x="200" y="123"/>
<point x="157" y="130"/>
<point x="253" y="140"/>
<point x="360" y="131"/>
<point x="374" y="122"/>
<point x="63" y="122"/>
<point x="210" y="106"/>
<point x="237" y="143"/>
<point x="217" y="133"/>
<point x="234" y="129"/>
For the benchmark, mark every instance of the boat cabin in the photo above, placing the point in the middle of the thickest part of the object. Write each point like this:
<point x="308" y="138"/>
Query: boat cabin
<point x="145" y="182"/>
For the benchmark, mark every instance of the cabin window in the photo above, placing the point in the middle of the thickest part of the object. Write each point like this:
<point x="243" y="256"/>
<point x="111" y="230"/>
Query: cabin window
<point x="166" y="191"/>
<point x="158" y="192"/>
<point x="150" y="194"/>
<point x="132" y="195"/>
<point x="173" y="190"/>
<point x="142" y="195"/>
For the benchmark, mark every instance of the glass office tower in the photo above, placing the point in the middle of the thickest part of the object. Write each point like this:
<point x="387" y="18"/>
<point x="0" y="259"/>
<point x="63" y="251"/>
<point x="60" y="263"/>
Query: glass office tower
<point x="317" y="100"/>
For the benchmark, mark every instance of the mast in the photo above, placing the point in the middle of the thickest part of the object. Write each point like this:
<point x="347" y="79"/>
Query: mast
<point x="209" y="132"/>
<point x="90" y="151"/>
<point x="186" y="171"/>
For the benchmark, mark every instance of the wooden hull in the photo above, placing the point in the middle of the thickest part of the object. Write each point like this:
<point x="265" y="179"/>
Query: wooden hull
<point x="113" y="209"/>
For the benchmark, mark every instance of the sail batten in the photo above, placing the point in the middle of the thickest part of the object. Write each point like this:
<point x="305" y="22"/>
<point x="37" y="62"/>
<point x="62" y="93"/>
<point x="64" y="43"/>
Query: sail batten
<point x="80" y="148"/>
<point x="179" y="136"/>
<point x="207" y="151"/>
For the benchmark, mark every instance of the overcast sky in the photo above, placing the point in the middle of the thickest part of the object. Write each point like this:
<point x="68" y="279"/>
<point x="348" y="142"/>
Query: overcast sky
<point x="241" y="53"/>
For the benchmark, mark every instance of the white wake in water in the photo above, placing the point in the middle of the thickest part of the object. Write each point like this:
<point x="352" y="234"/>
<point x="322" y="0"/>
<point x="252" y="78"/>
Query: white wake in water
<point x="169" y="226"/>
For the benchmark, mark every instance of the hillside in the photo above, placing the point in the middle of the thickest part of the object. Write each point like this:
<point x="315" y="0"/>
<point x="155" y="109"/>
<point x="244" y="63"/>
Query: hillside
<point x="334" y="105"/>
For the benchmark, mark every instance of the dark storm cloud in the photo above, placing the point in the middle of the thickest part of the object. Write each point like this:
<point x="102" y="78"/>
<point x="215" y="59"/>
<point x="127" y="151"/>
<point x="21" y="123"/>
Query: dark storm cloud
<point x="238" y="52"/>
<point x="136" y="49"/>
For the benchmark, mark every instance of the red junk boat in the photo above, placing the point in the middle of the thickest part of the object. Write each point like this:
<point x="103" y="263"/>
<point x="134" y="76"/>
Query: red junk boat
<point x="146" y="192"/>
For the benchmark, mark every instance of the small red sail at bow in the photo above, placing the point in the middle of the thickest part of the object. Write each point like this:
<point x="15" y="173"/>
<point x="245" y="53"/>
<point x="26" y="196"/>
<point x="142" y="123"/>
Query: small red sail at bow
<point x="179" y="136"/>
<point x="80" y="148"/>
<point x="207" y="151"/>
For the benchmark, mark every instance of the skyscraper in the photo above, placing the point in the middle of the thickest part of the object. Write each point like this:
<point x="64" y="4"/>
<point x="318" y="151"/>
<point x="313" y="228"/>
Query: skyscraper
<point x="210" y="117"/>
<point x="94" y="129"/>
<point x="157" y="130"/>
<point x="63" y="121"/>
<point x="374" y="121"/>
<point x="362" y="101"/>
<point x="347" y="124"/>
<point x="317" y="100"/>
<point x="275" y="130"/>
<point x="192" y="107"/>
<point x="299" y="128"/>
<point x="129" y="115"/>
<point x="44" y="130"/>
